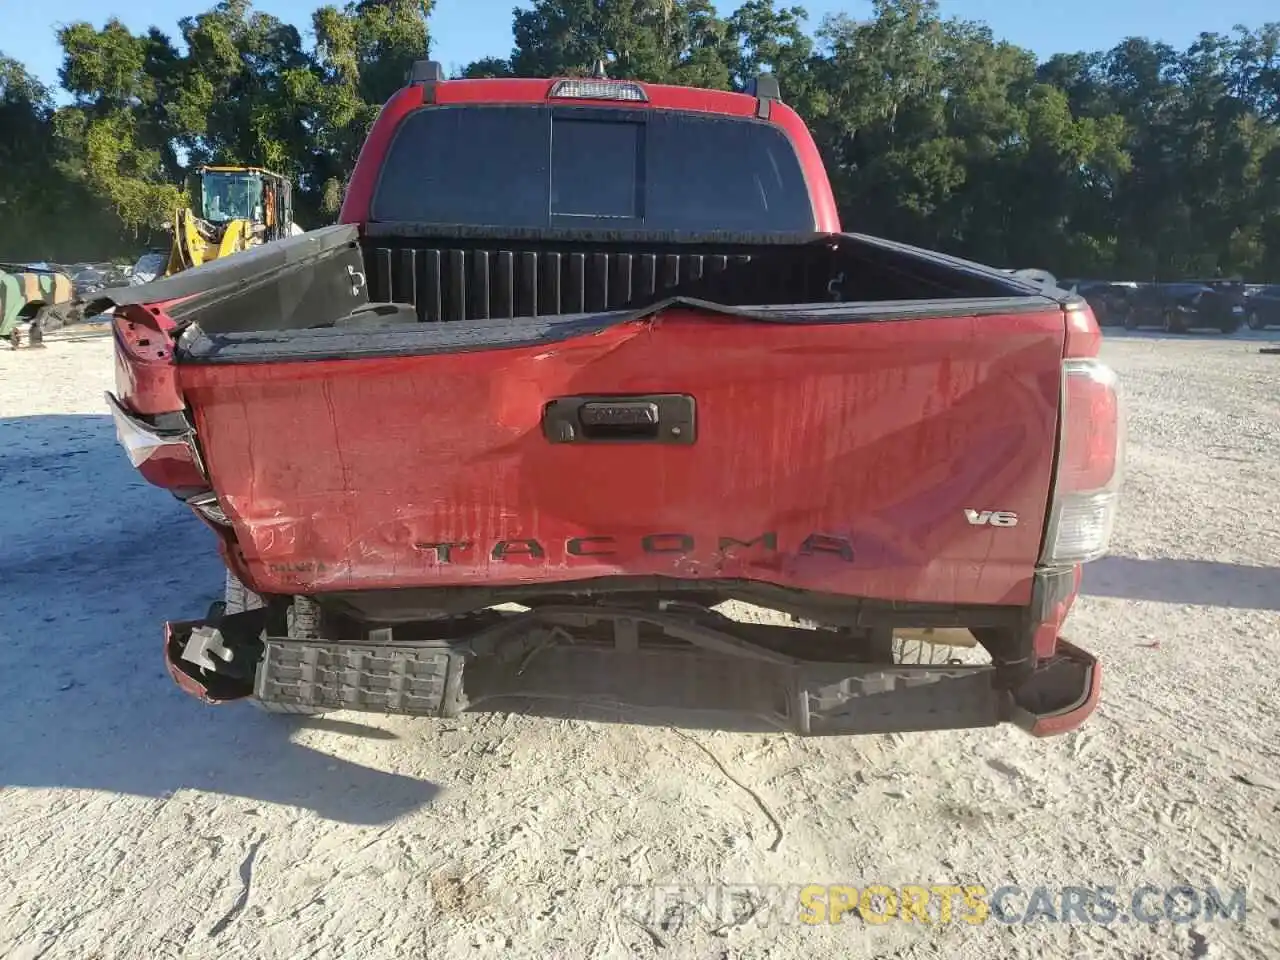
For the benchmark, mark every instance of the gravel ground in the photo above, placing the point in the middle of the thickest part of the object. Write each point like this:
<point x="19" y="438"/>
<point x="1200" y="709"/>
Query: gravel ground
<point x="135" y="823"/>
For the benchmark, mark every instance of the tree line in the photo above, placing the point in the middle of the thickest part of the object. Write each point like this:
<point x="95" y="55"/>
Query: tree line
<point x="1139" y="162"/>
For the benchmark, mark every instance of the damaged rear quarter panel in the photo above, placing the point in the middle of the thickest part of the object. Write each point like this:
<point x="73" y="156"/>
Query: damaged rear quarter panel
<point x="855" y="447"/>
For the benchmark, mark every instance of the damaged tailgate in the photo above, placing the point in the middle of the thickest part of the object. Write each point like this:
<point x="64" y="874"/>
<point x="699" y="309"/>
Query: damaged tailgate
<point x="815" y="448"/>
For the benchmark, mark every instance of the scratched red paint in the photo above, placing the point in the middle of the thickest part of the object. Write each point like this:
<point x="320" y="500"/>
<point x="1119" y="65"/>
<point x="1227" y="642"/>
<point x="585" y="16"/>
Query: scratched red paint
<point x="878" y="433"/>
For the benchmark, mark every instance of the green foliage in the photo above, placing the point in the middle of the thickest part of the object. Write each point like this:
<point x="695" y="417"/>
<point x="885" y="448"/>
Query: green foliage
<point x="662" y="41"/>
<point x="46" y="211"/>
<point x="1138" y="162"/>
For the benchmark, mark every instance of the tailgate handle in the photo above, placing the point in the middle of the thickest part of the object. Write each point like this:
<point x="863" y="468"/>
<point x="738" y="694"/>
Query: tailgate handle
<point x="653" y="418"/>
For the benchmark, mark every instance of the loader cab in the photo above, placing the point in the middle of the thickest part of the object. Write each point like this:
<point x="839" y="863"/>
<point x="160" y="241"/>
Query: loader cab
<point x="225" y="194"/>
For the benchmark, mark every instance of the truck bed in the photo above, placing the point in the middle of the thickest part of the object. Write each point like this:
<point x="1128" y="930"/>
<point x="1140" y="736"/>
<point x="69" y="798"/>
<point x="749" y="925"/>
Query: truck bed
<point x="337" y="277"/>
<point x="471" y="276"/>
<point x="820" y="444"/>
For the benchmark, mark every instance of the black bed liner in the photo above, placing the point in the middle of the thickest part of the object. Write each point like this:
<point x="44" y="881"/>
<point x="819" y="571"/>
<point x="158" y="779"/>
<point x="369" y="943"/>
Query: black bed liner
<point x="343" y="291"/>
<point x="478" y="274"/>
<point x="225" y="274"/>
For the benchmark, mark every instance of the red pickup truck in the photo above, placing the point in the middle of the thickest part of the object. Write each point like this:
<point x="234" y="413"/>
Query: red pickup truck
<point x="584" y="360"/>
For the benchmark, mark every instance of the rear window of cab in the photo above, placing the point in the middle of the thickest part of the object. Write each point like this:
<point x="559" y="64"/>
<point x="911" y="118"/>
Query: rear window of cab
<point x="566" y="166"/>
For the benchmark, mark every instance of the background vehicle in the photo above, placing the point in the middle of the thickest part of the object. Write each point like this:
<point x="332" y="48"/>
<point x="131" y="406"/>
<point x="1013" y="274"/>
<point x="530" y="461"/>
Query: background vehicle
<point x="1262" y="307"/>
<point x="617" y="371"/>
<point x="39" y="296"/>
<point x="1188" y="305"/>
<point x="149" y="266"/>
<point x="233" y="209"/>
<point x="1111" y="301"/>
<point x="90" y="278"/>
<point x="1221" y="306"/>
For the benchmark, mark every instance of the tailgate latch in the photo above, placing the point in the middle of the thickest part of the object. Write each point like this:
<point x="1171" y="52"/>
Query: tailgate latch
<point x="652" y="418"/>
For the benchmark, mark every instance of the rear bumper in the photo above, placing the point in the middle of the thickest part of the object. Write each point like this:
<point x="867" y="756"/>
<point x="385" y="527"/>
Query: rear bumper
<point x="704" y="680"/>
<point x="1051" y="716"/>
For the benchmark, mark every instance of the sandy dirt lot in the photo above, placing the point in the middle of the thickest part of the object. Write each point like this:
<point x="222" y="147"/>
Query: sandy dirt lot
<point x="135" y="823"/>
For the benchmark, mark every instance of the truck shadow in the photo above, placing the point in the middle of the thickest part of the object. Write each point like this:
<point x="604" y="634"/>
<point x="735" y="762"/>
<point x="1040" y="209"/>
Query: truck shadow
<point x="92" y="559"/>
<point x="1197" y="582"/>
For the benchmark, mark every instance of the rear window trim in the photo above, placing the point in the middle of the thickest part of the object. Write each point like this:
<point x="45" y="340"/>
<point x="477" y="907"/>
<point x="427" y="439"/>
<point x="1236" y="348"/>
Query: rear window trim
<point x="627" y="113"/>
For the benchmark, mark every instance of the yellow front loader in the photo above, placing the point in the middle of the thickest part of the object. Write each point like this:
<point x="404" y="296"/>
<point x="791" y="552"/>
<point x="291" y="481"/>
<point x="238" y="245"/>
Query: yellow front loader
<point x="232" y="209"/>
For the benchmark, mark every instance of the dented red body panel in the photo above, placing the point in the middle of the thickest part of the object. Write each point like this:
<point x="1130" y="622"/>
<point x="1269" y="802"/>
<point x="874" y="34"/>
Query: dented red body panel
<point x="856" y="447"/>
<point x="144" y="369"/>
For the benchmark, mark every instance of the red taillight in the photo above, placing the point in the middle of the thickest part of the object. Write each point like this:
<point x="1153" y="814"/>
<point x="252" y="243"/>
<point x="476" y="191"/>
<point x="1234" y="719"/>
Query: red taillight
<point x="165" y="456"/>
<point x="1090" y="460"/>
<point x="1091" y="441"/>
<point x="1084" y="336"/>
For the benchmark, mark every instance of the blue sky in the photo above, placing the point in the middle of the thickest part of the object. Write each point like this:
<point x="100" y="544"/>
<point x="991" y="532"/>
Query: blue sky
<point x="464" y="30"/>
